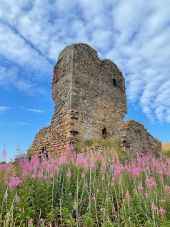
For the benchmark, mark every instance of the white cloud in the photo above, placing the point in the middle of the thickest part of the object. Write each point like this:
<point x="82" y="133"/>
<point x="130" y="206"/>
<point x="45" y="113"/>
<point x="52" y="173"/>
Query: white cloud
<point x="34" y="110"/>
<point x="12" y="77"/>
<point x="134" y="34"/>
<point x="4" y="109"/>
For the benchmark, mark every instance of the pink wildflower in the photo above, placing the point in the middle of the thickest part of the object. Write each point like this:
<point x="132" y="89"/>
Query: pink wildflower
<point x="15" y="181"/>
<point x="45" y="177"/>
<point x="118" y="170"/>
<point x="35" y="162"/>
<point x="83" y="175"/>
<point x="70" y="150"/>
<point x="44" y="163"/>
<point x="86" y="185"/>
<point x="49" y="166"/>
<point x="68" y="174"/>
<point x="80" y="159"/>
<point x="150" y="183"/>
<point x="162" y="211"/>
<point x="135" y="171"/>
<point x="154" y="207"/>
<point x="40" y="175"/>
<point x="127" y="196"/>
<point x="167" y="189"/>
<point x="63" y="160"/>
<point x="30" y="223"/>
<point x="33" y="175"/>
<point x="91" y="164"/>
<point x="140" y="187"/>
<point x="103" y="210"/>
<point x="17" y="199"/>
<point x="51" y="175"/>
<point x="57" y="169"/>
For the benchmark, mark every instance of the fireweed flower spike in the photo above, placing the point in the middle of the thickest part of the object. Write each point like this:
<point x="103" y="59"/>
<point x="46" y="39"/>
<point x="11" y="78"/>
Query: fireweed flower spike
<point x="17" y="199"/>
<point x="15" y="181"/>
<point x="68" y="174"/>
<point x="167" y="189"/>
<point x="154" y="207"/>
<point x="112" y="186"/>
<point x="140" y="187"/>
<point x="150" y="183"/>
<point x="162" y="211"/>
<point x="128" y="197"/>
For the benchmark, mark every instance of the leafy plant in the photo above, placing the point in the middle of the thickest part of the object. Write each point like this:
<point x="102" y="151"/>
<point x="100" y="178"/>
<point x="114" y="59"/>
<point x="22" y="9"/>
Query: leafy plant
<point x="86" y="189"/>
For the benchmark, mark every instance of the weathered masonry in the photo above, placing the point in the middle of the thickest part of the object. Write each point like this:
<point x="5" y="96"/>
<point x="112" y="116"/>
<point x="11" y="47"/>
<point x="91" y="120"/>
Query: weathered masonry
<point x="90" y="102"/>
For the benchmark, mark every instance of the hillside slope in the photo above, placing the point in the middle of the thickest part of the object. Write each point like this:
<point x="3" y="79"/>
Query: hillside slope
<point x="166" y="146"/>
<point x="166" y="149"/>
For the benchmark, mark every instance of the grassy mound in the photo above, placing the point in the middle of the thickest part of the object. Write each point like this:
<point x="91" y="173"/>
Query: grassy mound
<point x="104" y="145"/>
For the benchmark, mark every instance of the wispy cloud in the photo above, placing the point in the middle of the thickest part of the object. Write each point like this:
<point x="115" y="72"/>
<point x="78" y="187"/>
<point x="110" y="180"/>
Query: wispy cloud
<point x="134" y="34"/>
<point x="4" y="109"/>
<point x="34" y="110"/>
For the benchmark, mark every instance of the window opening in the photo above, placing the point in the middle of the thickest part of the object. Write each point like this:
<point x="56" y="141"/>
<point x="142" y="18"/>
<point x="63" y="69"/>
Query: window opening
<point x="104" y="133"/>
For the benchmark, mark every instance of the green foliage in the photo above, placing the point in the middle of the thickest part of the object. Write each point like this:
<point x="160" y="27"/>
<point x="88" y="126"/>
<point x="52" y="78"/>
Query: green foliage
<point x="66" y="217"/>
<point x="91" y="195"/>
<point x="106" y="144"/>
<point x="167" y="153"/>
<point x="88" y="219"/>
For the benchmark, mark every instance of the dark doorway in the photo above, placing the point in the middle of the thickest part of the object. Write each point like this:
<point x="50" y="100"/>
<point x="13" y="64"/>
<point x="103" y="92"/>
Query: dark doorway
<point x="43" y="149"/>
<point x="104" y="132"/>
<point x="114" y="83"/>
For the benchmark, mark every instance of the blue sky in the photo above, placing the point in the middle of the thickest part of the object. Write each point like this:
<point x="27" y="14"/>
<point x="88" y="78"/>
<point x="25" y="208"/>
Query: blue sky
<point x="134" y="34"/>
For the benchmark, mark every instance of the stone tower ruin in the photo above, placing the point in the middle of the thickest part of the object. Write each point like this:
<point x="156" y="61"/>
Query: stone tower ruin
<point x="90" y="102"/>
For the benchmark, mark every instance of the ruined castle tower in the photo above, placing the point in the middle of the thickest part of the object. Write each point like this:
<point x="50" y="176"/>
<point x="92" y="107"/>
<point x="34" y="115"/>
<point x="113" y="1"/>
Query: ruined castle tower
<point x="90" y="102"/>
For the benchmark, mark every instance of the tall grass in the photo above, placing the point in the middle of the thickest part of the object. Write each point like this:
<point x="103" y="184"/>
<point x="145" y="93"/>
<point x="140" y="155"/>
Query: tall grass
<point x="85" y="189"/>
<point x="105" y="145"/>
<point x="167" y="153"/>
<point x="166" y="149"/>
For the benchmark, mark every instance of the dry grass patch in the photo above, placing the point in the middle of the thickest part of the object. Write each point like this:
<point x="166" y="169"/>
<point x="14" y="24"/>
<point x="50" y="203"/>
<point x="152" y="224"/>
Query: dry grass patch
<point x="166" y="146"/>
<point x="166" y="149"/>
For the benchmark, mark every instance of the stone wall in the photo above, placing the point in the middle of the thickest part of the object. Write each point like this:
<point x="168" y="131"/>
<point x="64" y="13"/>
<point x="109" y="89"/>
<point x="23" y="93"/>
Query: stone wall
<point x="136" y="140"/>
<point x="89" y="97"/>
<point x="90" y="102"/>
<point x="98" y="95"/>
<point x="58" y="133"/>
